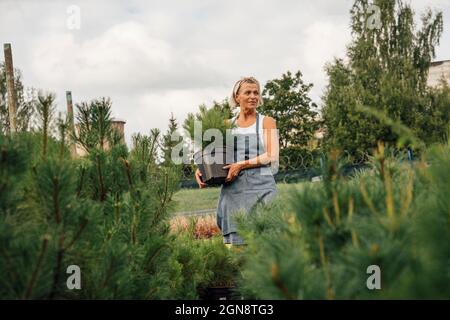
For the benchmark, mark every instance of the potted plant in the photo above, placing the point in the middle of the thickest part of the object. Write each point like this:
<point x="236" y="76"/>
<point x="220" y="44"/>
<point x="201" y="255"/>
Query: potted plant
<point x="221" y="271"/>
<point x="213" y="155"/>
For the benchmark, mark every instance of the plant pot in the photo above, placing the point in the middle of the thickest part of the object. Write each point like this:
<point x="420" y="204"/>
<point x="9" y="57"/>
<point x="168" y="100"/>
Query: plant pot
<point x="211" y="164"/>
<point x="218" y="293"/>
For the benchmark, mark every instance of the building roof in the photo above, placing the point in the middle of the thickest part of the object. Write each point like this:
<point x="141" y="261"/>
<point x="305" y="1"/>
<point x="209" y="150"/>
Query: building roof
<point x="118" y="120"/>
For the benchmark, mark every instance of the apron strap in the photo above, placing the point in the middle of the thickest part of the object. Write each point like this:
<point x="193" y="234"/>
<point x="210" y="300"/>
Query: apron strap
<point x="257" y="134"/>
<point x="233" y="122"/>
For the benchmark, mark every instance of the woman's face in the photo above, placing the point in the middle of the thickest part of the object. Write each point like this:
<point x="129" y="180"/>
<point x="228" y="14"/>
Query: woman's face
<point x="248" y="96"/>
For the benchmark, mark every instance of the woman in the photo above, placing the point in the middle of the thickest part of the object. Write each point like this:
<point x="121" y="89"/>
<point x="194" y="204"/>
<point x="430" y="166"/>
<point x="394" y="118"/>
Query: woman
<point x="250" y="178"/>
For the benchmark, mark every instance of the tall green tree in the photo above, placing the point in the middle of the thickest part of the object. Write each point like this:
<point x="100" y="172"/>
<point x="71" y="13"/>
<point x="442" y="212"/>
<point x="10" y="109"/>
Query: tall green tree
<point x="45" y="110"/>
<point x="287" y="101"/>
<point x="387" y="70"/>
<point x="168" y="143"/>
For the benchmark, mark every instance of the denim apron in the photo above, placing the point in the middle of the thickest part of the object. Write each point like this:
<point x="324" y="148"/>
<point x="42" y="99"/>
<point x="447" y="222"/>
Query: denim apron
<point x="251" y="187"/>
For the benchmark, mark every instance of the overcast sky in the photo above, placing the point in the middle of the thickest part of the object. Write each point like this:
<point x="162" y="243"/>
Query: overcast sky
<point x="157" y="57"/>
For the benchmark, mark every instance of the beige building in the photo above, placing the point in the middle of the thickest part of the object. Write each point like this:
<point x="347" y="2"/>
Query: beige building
<point x="119" y="125"/>
<point x="439" y="70"/>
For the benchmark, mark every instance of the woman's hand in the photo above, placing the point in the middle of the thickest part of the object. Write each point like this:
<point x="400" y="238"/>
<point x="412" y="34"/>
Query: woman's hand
<point x="198" y="178"/>
<point x="235" y="168"/>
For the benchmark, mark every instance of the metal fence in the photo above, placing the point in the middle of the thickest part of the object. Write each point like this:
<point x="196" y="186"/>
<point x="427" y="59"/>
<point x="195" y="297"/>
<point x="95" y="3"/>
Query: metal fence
<point x="293" y="176"/>
<point x="302" y="172"/>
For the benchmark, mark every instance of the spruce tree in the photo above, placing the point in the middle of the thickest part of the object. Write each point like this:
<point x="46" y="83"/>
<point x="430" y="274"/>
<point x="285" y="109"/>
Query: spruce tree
<point x="168" y="143"/>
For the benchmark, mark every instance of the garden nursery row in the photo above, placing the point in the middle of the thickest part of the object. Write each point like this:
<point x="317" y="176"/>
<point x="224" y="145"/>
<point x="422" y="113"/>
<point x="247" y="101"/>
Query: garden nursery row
<point x="108" y="214"/>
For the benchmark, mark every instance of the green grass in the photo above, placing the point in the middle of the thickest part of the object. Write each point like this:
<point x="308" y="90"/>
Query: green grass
<point x="199" y="199"/>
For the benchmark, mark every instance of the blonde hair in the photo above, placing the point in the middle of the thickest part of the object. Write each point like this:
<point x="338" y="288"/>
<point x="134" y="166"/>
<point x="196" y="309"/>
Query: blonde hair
<point x="232" y="101"/>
